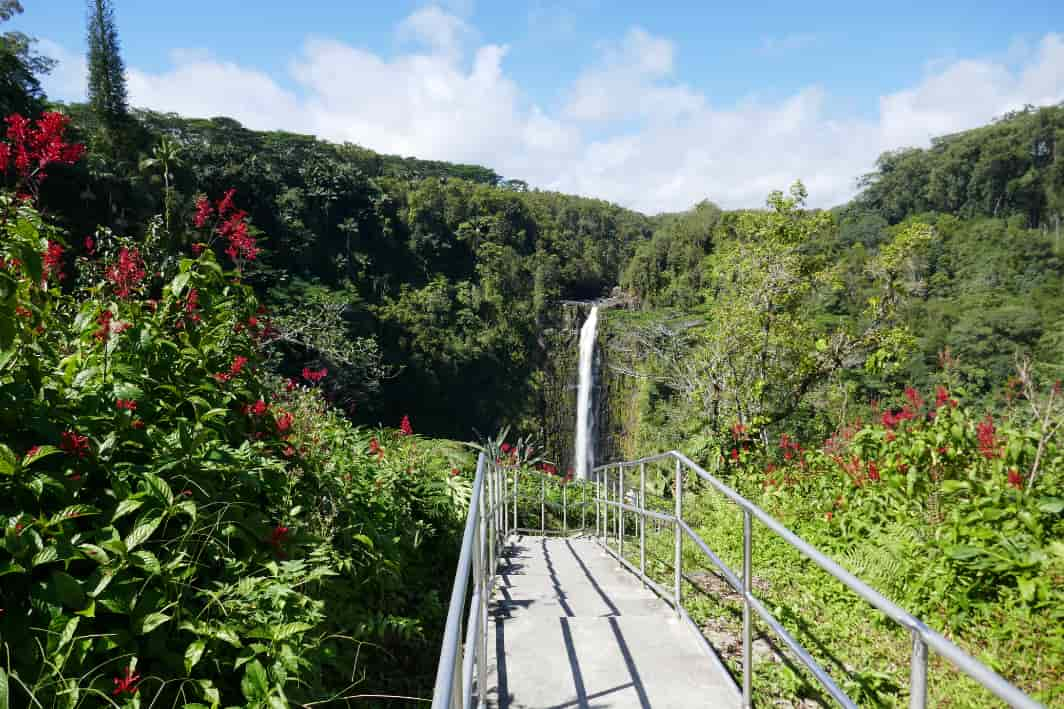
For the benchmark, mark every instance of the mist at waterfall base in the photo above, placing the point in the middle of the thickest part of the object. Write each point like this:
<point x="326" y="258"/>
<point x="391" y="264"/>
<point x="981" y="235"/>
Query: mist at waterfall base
<point x="584" y="450"/>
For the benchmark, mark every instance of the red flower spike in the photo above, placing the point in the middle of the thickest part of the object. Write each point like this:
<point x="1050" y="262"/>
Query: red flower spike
<point x="405" y="429"/>
<point x="126" y="683"/>
<point x="53" y="261"/>
<point x="74" y="444"/>
<point x="203" y="212"/>
<point x="1015" y="479"/>
<point x="985" y="433"/>
<point x="126" y="275"/>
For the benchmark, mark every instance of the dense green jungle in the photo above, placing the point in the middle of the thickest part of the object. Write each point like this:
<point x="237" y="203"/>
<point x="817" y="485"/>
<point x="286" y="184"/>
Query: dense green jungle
<point x="238" y="368"/>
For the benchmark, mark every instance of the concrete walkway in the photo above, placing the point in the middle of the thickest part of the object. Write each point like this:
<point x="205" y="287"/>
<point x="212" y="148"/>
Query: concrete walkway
<point x="572" y="628"/>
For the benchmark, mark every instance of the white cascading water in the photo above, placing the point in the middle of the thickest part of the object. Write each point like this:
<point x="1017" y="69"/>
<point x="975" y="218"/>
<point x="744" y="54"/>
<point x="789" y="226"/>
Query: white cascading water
<point x="585" y="416"/>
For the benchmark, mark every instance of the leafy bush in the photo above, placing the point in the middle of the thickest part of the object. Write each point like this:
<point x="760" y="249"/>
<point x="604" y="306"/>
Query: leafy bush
<point x="180" y="526"/>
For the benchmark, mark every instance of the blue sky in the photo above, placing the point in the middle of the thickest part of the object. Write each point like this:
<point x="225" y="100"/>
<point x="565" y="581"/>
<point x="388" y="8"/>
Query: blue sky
<point x="654" y="105"/>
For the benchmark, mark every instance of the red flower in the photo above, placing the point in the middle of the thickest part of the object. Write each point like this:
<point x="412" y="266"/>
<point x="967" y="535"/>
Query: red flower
<point x="126" y="405"/>
<point x="405" y="429"/>
<point x="735" y="454"/>
<point x="127" y="274"/>
<point x="914" y="397"/>
<point x="374" y="446"/>
<point x="126" y="683"/>
<point x="505" y="447"/>
<point x="314" y="376"/>
<point x="225" y="204"/>
<point x="74" y="444"/>
<point x="137" y="424"/>
<point x="284" y="422"/>
<point x="192" y="301"/>
<point x="873" y="471"/>
<point x="455" y="472"/>
<point x="238" y="365"/>
<point x="290" y="385"/>
<point x="738" y="430"/>
<point x="203" y="212"/>
<point x="941" y="396"/>
<point x="985" y="432"/>
<point x="259" y="408"/>
<point x="1015" y="479"/>
<point x="828" y="515"/>
<point x="278" y="537"/>
<point x="53" y="261"/>
<point x="35" y="148"/>
<point x="90" y="246"/>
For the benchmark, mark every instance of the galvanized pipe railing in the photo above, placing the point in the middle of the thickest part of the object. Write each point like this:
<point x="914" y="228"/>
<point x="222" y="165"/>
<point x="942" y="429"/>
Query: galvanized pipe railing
<point x="462" y="669"/>
<point x="923" y="637"/>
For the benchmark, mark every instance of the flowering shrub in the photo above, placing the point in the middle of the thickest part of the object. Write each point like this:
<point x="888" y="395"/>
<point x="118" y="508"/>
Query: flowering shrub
<point x="987" y="504"/>
<point x="179" y="526"/>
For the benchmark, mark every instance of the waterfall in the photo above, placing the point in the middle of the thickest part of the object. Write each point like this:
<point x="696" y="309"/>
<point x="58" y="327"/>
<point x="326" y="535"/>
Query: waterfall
<point x="585" y="414"/>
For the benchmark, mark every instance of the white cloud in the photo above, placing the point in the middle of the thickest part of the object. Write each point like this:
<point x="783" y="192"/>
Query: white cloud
<point x="200" y="85"/>
<point x="69" y="77"/>
<point x="629" y="130"/>
<point x="436" y="29"/>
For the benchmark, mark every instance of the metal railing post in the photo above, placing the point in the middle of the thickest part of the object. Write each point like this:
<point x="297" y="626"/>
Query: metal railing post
<point x="643" y="521"/>
<point x="543" y="505"/>
<point x="748" y="667"/>
<point x="483" y="570"/>
<point x="583" y="510"/>
<point x="918" y="673"/>
<point x="678" y="539"/>
<point x="605" y="536"/>
<point x="517" y="488"/>
<point x="565" y="510"/>
<point x="620" y="511"/>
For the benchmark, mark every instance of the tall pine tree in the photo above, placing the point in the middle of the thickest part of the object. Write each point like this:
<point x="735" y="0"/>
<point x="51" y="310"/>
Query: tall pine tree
<point x="107" y="79"/>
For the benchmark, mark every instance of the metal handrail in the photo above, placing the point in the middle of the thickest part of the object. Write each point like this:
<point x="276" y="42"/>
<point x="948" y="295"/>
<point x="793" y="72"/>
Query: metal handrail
<point x="923" y="637"/>
<point x="484" y="530"/>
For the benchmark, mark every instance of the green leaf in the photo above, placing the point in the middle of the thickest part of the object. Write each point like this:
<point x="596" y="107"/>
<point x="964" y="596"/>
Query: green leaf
<point x="127" y="390"/>
<point x="289" y="629"/>
<point x="193" y="653"/>
<point x="8" y="460"/>
<point x="180" y="281"/>
<point x="45" y="556"/>
<point x="73" y="512"/>
<point x="147" y="561"/>
<point x="961" y="552"/>
<point x="41" y="452"/>
<point x="1051" y="505"/>
<point x="255" y="685"/>
<point x="84" y="376"/>
<point x="150" y="622"/>
<point x="94" y="552"/>
<point x="146" y="526"/>
<point x="4" y="693"/>
<point x="158" y="488"/>
<point x="11" y="567"/>
<point x="68" y="590"/>
<point x="126" y="506"/>
<point x="68" y="632"/>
